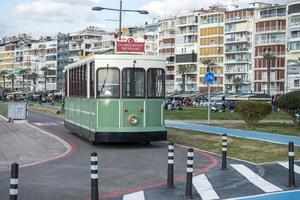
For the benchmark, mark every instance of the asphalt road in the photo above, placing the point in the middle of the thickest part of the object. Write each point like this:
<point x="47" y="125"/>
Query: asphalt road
<point x="123" y="168"/>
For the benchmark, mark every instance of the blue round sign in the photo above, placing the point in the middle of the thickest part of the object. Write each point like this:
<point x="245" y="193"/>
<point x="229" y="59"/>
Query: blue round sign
<point x="210" y="77"/>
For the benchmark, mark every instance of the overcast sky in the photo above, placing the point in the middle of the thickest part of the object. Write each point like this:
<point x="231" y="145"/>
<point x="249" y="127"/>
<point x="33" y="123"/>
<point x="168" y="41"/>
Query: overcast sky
<point x="48" y="17"/>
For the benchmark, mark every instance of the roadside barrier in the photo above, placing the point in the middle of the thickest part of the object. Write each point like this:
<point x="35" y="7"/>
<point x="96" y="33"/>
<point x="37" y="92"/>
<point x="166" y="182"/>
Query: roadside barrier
<point x="224" y="151"/>
<point x="291" y="165"/>
<point x="189" y="174"/>
<point x="94" y="177"/>
<point x="13" y="191"/>
<point x="170" y="165"/>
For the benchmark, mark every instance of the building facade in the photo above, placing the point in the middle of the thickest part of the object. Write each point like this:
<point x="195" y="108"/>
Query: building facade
<point x="270" y="37"/>
<point x="211" y="47"/>
<point x="239" y="48"/>
<point x="292" y="76"/>
<point x="166" y="48"/>
<point x="186" y="45"/>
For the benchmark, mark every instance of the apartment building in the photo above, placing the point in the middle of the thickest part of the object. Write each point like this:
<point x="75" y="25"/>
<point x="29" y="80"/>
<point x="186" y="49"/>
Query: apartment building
<point x="239" y="48"/>
<point x="62" y="58"/>
<point x="270" y="37"/>
<point x="293" y="47"/>
<point x="151" y="33"/>
<point x="166" y="48"/>
<point x="186" y="45"/>
<point x="211" y="46"/>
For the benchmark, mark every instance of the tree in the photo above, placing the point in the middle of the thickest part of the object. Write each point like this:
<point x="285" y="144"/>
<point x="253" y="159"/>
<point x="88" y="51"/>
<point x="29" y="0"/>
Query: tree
<point x="208" y="63"/>
<point x="45" y="70"/>
<point x="269" y="57"/>
<point x="237" y="82"/>
<point x="33" y="77"/>
<point x="23" y="72"/>
<point x="181" y="70"/>
<point x="3" y="73"/>
<point x="12" y="77"/>
<point x="290" y="103"/>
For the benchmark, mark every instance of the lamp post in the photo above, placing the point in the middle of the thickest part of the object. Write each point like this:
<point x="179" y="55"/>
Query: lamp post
<point x="143" y="12"/>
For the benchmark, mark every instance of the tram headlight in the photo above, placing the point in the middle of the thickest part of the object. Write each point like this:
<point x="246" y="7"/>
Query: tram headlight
<point x="133" y="120"/>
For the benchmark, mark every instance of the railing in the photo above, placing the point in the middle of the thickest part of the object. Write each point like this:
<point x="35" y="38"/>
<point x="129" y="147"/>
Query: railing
<point x="270" y="41"/>
<point x="167" y="45"/>
<point x="282" y="14"/>
<point x="182" y="22"/>
<point x="270" y="28"/>
<point x="188" y="32"/>
<point x="236" y="50"/>
<point x="237" y="39"/>
<point x="237" y="18"/>
<point x="278" y="53"/>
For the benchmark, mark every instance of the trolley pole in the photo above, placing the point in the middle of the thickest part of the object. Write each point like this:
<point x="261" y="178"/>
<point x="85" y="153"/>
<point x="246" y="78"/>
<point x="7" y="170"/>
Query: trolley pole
<point x="171" y="165"/>
<point x="94" y="177"/>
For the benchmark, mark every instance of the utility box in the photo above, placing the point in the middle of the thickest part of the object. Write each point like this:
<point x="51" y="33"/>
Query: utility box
<point x="17" y="111"/>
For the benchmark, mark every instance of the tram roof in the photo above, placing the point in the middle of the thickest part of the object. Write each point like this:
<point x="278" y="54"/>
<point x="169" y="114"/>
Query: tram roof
<point x="111" y="57"/>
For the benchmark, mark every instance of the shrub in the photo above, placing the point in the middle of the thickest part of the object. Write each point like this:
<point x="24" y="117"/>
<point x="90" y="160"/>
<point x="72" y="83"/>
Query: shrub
<point x="253" y="111"/>
<point x="290" y="103"/>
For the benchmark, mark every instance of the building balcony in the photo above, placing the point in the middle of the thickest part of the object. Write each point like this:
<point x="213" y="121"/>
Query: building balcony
<point x="236" y="61"/>
<point x="269" y="42"/>
<point x="237" y="19"/>
<point x="192" y="32"/>
<point x="270" y="15"/>
<point x="165" y="36"/>
<point x="241" y="50"/>
<point x="278" y="53"/>
<point x="167" y="45"/>
<point x="271" y="29"/>
<point x="236" y="72"/>
<point x="236" y="40"/>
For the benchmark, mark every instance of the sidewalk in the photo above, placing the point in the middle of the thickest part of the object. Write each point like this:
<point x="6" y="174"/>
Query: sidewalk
<point x="255" y="135"/>
<point x="24" y="144"/>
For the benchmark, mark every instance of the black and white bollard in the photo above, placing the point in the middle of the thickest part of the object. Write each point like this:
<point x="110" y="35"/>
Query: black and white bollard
<point x="189" y="174"/>
<point x="224" y="152"/>
<point x="94" y="177"/>
<point x="170" y="165"/>
<point x="13" y="191"/>
<point x="291" y="165"/>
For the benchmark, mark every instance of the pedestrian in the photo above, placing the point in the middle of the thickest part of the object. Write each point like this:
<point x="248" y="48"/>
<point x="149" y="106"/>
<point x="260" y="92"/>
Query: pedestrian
<point x="274" y="104"/>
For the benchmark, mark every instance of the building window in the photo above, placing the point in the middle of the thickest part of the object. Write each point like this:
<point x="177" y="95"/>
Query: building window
<point x="297" y="83"/>
<point x="92" y="79"/>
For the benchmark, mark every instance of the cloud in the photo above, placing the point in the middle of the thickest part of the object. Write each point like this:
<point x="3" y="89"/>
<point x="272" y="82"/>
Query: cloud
<point x="171" y="7"/>
<point x="54" y="10"/>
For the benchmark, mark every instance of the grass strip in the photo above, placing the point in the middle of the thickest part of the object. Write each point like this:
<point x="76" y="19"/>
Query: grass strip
<point x="245" y="149"/>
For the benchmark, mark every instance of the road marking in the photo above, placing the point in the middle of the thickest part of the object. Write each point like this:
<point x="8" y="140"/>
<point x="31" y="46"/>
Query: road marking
<point x="204" y="188"/>
<point x="38" y="123"/>
<point x="134" y="196"/>
<point x="53" y="124"/>
<point x="286" y="165"/>
<point x="256" y="179"/>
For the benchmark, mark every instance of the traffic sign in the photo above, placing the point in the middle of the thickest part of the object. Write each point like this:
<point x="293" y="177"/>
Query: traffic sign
<point x="210" y="77"/>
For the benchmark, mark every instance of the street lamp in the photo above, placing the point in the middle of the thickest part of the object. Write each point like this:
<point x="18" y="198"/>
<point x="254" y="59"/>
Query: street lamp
<point x="143" y="12"/>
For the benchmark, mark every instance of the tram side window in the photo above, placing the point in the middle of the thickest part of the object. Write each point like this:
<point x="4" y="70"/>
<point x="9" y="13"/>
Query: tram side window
<point x="156" y="83"/>
<point x="66" y="83"/>
<point x="108" y="82"/>
<point x="92" y="79"/>
<point x="133" y="82"/>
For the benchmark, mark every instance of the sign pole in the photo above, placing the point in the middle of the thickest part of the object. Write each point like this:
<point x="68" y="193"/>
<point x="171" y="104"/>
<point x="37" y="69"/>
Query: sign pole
<point x="208" y="111"/>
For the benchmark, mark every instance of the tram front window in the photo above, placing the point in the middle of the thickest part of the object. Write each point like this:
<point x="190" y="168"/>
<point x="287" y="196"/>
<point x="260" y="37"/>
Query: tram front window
<point x="156" y="83"/>
<point x="133" y="82"/>
<point x="108" y="82"/>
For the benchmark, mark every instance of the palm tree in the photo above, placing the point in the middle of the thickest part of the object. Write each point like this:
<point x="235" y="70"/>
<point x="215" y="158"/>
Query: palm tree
<point x="45" y="70"/>
<point x="208" y="63"/>
<point x="269" y="57"/>
<point x="23" y="72"/>
<point x="237" y="82"/>
<point x="3" y="73"/>
<point x="12" y="77"/>
<point x="181" y="70"/>
<point x="34" y="77"/>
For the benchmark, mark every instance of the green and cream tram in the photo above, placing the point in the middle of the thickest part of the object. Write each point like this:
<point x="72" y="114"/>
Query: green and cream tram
<point x="116" y="98"/>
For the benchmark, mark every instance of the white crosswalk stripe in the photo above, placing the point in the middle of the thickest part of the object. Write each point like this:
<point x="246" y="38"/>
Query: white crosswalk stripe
<point x="286" y="165"/>
<point x="204" y="188"/>
<point x="256" y="179"/>
<point x="134" y="196"/>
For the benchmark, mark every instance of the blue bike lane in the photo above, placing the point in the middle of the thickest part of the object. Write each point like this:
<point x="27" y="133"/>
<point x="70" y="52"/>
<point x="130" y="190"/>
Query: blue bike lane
<point x="254" y="135"/>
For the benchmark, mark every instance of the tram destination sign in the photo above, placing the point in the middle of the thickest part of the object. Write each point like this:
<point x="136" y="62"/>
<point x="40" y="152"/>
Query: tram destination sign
<point x="130" y="46"/>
